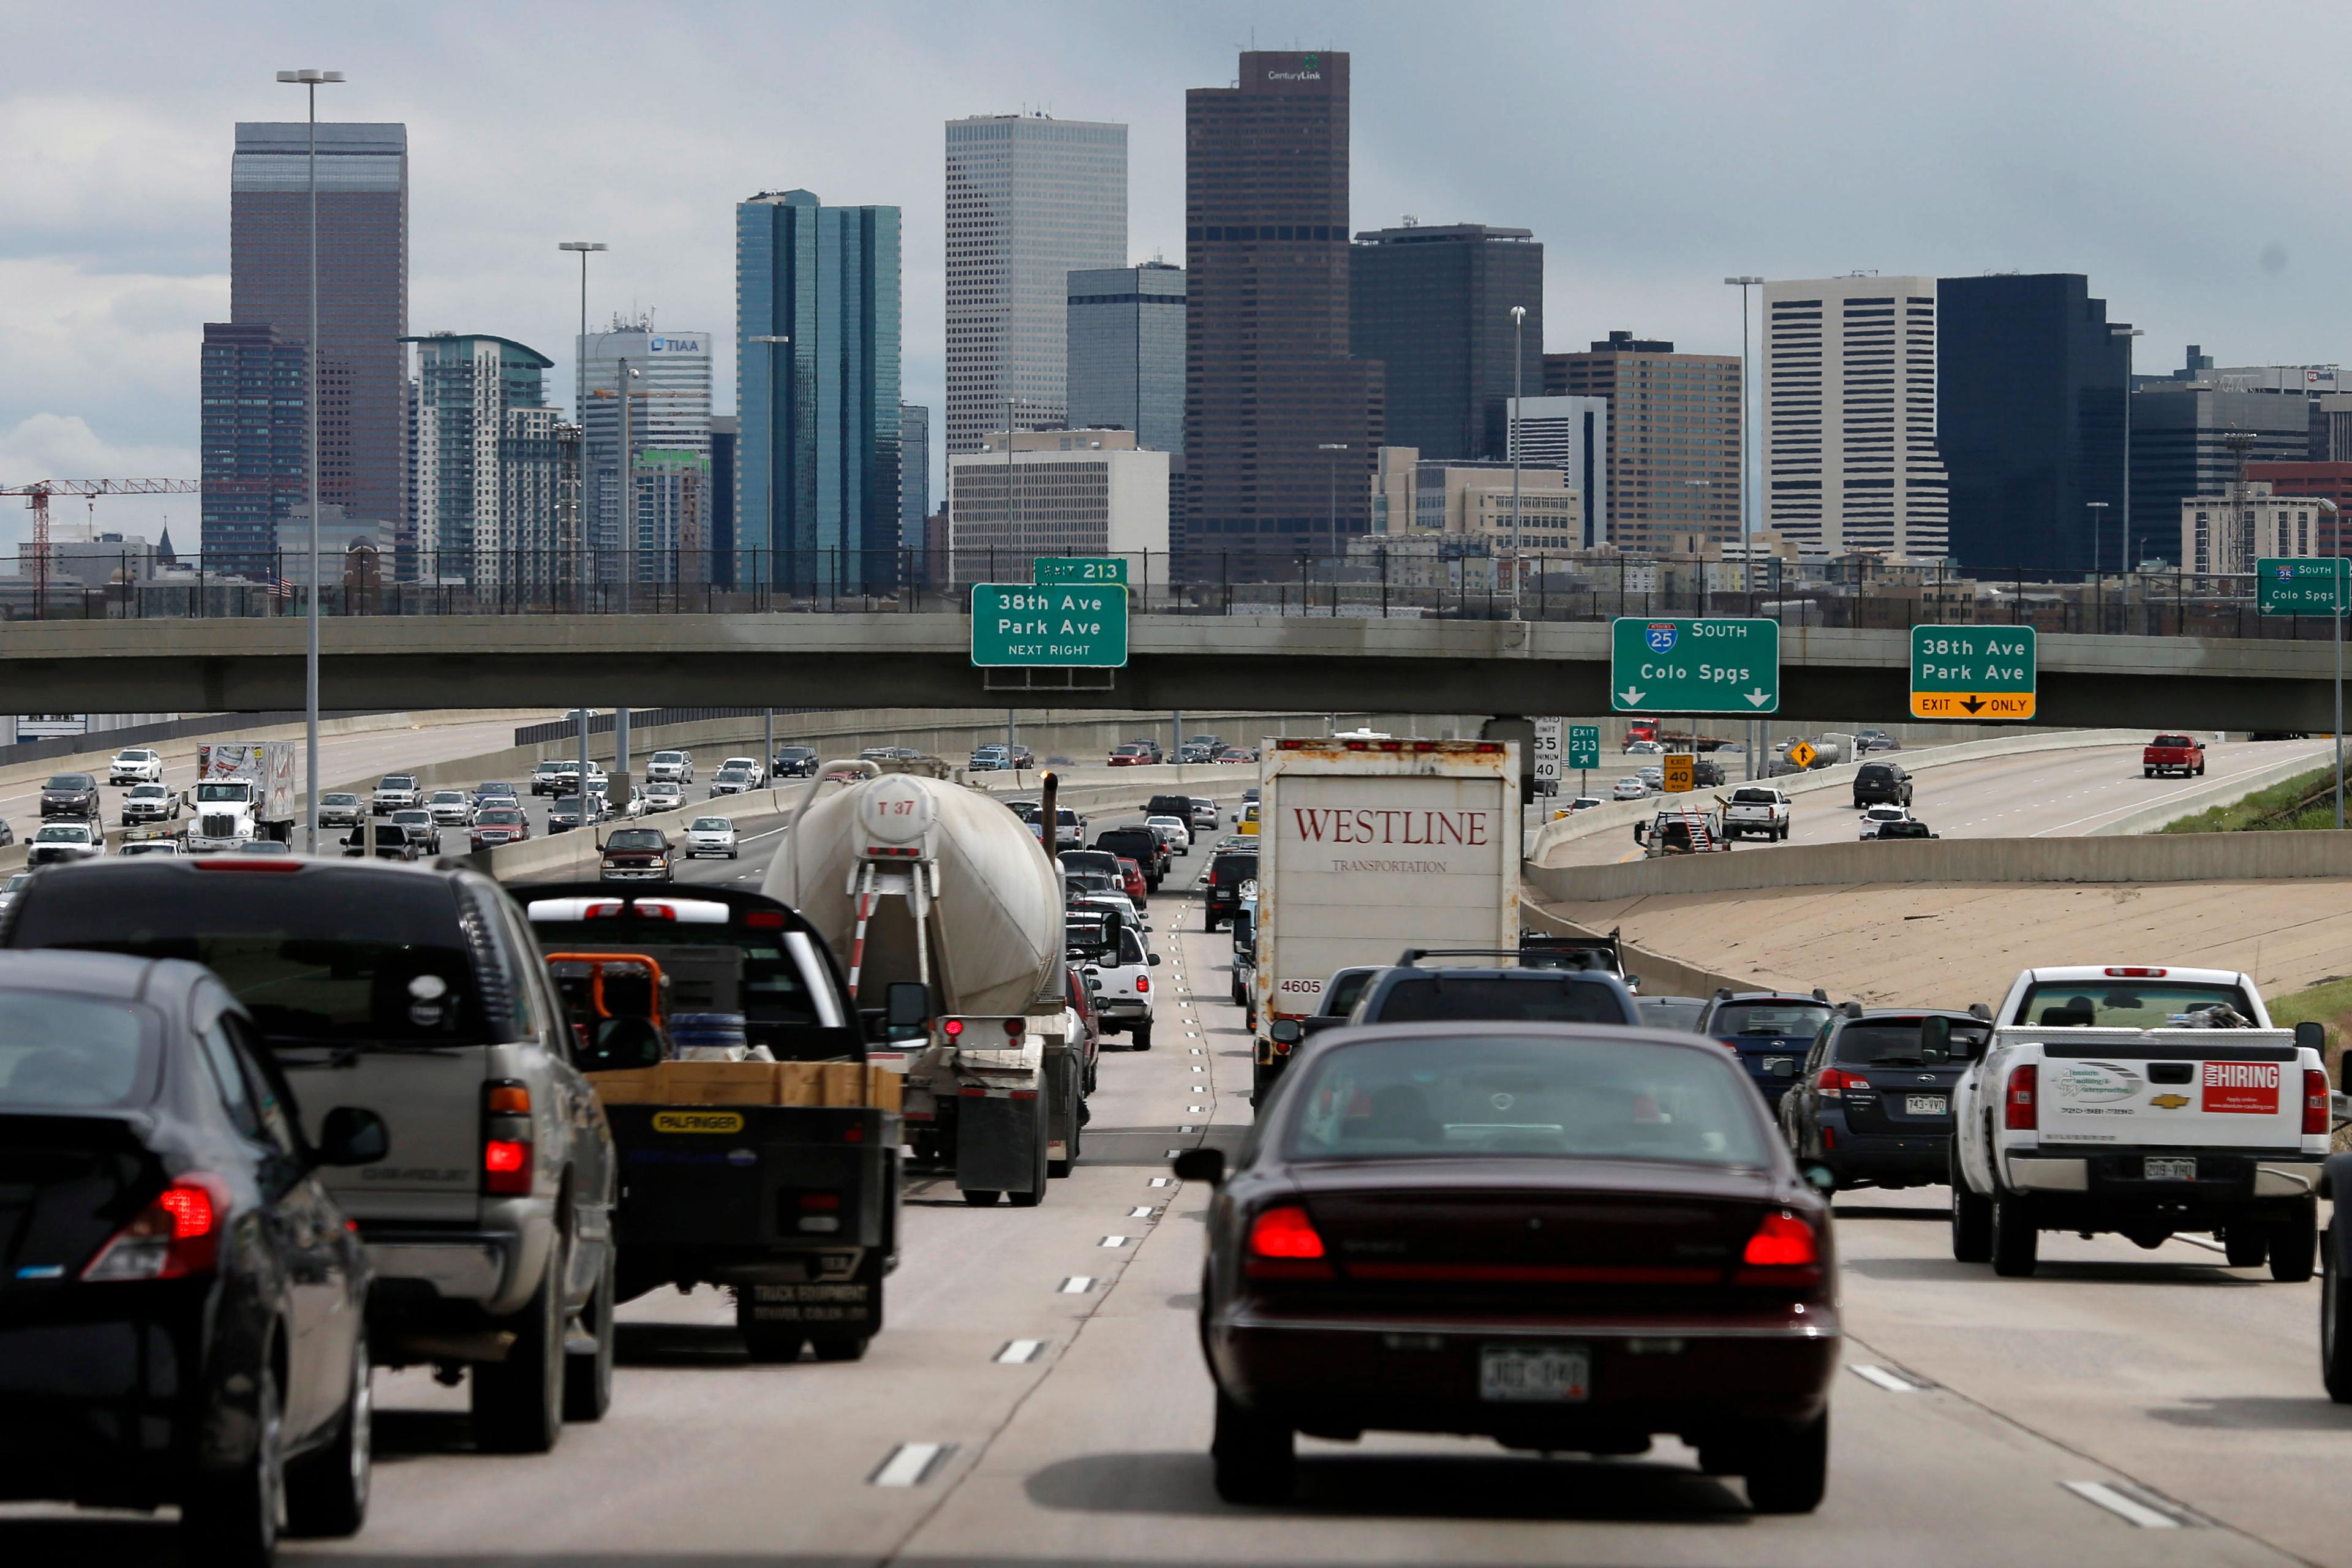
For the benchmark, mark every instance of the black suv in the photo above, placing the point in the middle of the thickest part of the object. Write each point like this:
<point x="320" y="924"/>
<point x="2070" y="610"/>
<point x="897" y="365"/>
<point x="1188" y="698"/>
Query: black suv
<point x="1227" y="872"/>
<point x="793" y="762"/>
<point x="1881" y="784"/>
<point x="1178" y="807"/>
<point x="1874" y="1100"/>
<point x="70" y="794"/>
<point x="1139" y="844"/>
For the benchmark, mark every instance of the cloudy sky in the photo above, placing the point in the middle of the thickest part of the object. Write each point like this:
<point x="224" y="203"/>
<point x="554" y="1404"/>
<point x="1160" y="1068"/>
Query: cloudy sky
<point x="2179" y="154"/>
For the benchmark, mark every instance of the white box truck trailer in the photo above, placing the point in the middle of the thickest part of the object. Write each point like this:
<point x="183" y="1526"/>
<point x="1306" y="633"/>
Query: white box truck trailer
<point x="245" y="790"/>
<point x="1368" y="846"/>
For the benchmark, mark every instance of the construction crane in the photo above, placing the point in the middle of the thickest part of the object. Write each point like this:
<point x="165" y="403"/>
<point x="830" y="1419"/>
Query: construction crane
<point x="36" y="496"/>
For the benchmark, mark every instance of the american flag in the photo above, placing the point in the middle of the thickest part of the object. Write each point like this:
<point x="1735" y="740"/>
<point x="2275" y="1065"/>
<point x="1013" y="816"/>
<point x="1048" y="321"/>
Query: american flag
<point x="279" y="588"/>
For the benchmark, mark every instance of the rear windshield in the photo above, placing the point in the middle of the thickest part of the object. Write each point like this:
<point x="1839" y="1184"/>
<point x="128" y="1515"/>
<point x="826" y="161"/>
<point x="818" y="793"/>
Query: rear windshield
<point x="1877" y="773"/>
<point x="1770" y="1020"/>
<point x="2131" y="1004"/>
<point x="316" y="957"/>
<point x="1339" y="996"/>
<point x="711" y="825"/>
<point x="636" y="839"/>
<point x="773" y="992"/>
<point x="501" y="818"/>
<point x="1232" y="870"/>
<point x="1557" y="998"/>
<point x="1754" y="797"/>
<point x="1670" y="1012"/>
<point x="69" y="1053"/>
<point x="2182" y="740"/>
<point x="1895" y="1043"/>
<point x="1491" y="1097"/>
<point x="1170" y="805"/>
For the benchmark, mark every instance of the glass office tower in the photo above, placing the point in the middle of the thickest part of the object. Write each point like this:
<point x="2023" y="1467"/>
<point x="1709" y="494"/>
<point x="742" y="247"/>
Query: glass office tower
<point x="1127" y="352"/>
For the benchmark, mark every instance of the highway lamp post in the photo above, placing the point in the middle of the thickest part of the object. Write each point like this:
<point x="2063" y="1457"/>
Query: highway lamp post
<point x="1744" y="282"/>
<point x="1518" y="384"/>
<point x="579" y="523"/>
<point x="2125" y="564"/>
<point x="309" y="81"/>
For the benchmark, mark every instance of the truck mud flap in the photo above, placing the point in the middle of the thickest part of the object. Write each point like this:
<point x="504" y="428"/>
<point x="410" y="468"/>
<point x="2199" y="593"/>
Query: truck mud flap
<point x="850" y="1305"/>
<point x="997" y="1144"/>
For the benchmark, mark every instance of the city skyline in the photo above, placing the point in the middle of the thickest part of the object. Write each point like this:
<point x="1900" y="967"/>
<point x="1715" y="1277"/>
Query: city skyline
<point x="119" y="251"/>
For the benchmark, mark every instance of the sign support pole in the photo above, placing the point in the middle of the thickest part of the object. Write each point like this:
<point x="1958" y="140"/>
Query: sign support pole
<point x="2340" y="571"/>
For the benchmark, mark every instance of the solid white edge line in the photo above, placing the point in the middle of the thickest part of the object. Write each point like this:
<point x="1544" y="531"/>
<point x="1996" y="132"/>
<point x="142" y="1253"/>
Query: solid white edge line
<point x="909" y="1464"/>
<point x="2123" y="1506"/>
<point x="1885" y="1379"/>
<point x="1018" y="1353"/>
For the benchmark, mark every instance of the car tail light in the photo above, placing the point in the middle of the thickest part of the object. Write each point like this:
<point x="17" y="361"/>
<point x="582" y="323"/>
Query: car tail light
<point x="1014" y="1026"/>
<point x="2137" y="974"/>
<point x="1783" y="1251"/>
<point x="507" y="1152"/>
<point x="2017" y="1100"/>
<point x="1831" y="1084"/>
<point x="1285" y="1245"/>
<point x="2315" y="1102"/>
<point x="176" y="1237"/>
<point x="765" y="920"/>
<point x="1142" y="984"/>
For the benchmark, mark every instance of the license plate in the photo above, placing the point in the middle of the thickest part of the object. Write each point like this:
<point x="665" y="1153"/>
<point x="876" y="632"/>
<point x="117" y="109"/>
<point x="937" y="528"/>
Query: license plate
<point x="2169" y="1170"/>
<point x="1774" y="1064"/>
<point x="1534" y="1374"/>
<point x="1926" y="1104"/>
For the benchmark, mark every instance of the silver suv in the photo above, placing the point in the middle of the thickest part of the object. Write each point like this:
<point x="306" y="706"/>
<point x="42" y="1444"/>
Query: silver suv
<point x="417" y="993"/>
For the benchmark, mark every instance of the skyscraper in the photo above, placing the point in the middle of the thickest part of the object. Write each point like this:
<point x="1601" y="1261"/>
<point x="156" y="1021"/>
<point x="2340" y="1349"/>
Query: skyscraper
<point x="1127" y="352"/>
<point x="671" y="369"/>
<point x="1673" y="436"/>
<point x="725" y="437"/>
<point x="1030" y="200"/>
<point x="466" y="385"/>
<point x="817" y="472"/>
<point x="2030" y="387"/>
<point x="2180" y="447"/>
<point x="363" y="288"/>
<point x="254" y="446"/>
<point x="1850" y="416"/>
<point x="914" y="476"/>
<point x="1572" y="433"/>
<point x="1434" y="305"/>
<point x="1270" y="391"/>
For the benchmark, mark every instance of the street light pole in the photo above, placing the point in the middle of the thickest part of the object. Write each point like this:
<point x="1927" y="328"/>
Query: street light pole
<point x="309" y="81"/>
<point x="579" y="518"/>
<point x="1744" y="282"/>
<point x="1519" y="385"/>
<point x="2126" y="334"/>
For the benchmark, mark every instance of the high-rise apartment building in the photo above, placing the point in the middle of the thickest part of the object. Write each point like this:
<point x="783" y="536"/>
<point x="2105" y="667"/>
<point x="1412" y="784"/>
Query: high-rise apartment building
<point x="670" y="373"/>
<point x="1433" y="303"/>
<point x="1272" y="401"/>
<point x="1029" y="200"/>
<point x="2318" y="480"/>
<point x="726" y="439"/>
<point x="468" y="385"/>
<point x="363" y="288"/>
<point x="673" y="513"/>
<point x="1674" y="437"/>
<point x="2031" y="379"/>
<point x="816" y="477"/>
<point x="1572" y="435"/>
<point x="2186" y="441"/>
<point x="1850" y="461"/>
<point x="539" y="486"/>
<point x="253" y="444"/>
<point x="1127" y="352"/>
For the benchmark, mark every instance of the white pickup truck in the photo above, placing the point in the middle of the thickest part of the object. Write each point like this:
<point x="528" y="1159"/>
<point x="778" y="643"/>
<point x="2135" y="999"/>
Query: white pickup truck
<point x="2145" y="1102"/>
<point x="1756" y="811"/>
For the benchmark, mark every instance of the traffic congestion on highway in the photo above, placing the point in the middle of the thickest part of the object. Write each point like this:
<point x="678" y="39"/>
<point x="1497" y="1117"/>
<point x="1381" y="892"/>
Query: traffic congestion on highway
<point x="1197" y="1155"/>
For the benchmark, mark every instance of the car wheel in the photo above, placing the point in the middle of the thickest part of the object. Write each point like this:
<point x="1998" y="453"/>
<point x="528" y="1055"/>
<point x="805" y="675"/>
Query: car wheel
<point x="1788" y="1471"/>
<point x="229" y="1519"/>
<point x="588" y="1375"/>
<point x="1261" y="1080"/>
<point x="1971" y="1222"/>
<point x="326" y="1488"/>
<point x="770" y="1344"/>
<point x="2335" y="1331"/>
<point x="2148" y="772"/>
<point x="2015" y="1243"/>
<point x="1138" y="1039"/>
<point x="1256" y="1461"/>
<point x="2293" y="1242"/>
<point x="840" y="1347"/>
<point x="2246" y="1246"/>
<point x="519" y="1403"/>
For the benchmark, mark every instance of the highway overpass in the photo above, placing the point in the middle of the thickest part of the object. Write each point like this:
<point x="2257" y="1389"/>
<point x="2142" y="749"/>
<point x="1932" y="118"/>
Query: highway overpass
<point x="882" y="660"/>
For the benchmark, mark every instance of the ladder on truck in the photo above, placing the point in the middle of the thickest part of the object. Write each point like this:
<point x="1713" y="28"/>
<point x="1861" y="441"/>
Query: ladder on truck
<point x="1684" y="830"/>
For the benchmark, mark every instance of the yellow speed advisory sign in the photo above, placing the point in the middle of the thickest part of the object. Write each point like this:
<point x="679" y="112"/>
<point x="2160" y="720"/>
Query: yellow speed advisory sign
<point x="1680" y="771"/>
<point x="697" y="1122"/>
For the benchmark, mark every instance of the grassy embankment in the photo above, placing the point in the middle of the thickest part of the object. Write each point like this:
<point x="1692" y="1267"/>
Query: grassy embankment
<point x="2305" y="800"/>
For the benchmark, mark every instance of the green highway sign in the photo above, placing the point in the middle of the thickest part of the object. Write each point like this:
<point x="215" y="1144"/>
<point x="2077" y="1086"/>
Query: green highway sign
<point x="1584" y="745"/>
<point x="1960" y="673"/>
<point x="2298" y="584"/>
<point x="1711" y="665"/>
<point x="1020" y="624"/>
<point x="1079" y="569"/>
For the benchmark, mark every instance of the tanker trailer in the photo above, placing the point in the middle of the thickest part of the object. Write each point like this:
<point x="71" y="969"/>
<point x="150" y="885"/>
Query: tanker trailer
<point x="946" y="916"/>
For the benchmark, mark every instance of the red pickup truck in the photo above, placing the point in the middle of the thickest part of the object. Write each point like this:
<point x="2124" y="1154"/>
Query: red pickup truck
<point x="2182" y="754"/>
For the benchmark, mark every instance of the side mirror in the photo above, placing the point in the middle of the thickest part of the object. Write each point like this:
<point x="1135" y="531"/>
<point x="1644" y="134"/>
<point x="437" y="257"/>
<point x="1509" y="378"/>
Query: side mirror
<point x="1093" y="981"/>
<point x="1285" y="1032"/>
<point x="1935" y="1039"/>
<point x="906" y="1004"/>
<point x="352" y="1136"/>
<point x="1633" y="984"/>
<point x="2312" y="1035"/>
<point x="1200" y="1165"/>
<point x="1822" y="1179"/>
<point x="1153" y="959"/>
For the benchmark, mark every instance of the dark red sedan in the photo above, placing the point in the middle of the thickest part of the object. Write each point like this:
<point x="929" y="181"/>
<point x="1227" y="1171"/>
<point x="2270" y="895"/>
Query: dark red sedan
<point x="1568" y="1239"/>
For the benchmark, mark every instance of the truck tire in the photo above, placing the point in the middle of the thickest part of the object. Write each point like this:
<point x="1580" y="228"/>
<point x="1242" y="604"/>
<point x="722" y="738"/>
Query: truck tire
<point x="1256" y="1461"/>
<point x="588" y="1375"/>
<point x="2015" y="1243"/>
<point x="980" y="1197"/>
<point x="2246" y="1246"/>
<point x="1036" y="1192"/>
<point x="519" y="1403"/>
<point x="1971" y="1219"/>
<point x="2294" y="1243"/>
<point x="1138" y="1039"/>
<point x="229" y="1518"/>
<point x="2336" y="1332"/>
<point x="839" y="1347"/>
<point x="1261" y="1079"/>
<point x="770" y="1344"/>
<point x="326" y="1488"/>
<point x="1788" y="1471"/>
<point x="2148" y="772"/>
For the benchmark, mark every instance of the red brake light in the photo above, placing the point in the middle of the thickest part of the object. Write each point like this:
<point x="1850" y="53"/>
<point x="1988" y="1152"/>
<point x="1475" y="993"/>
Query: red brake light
<point x="2315" y="1102"/>
<point x="952" y="1028"/>
<point x="820" y="1200"/>
<point x="1284" y="1232"/>
<point x="603" y="911"/>
<point x="2017" y="1100"/>
<point x="765" y="920"/>
<point x="506" y="1166"/>
<point x="2138" y="974"/>
<point x="1782" y="1241"/>
<point x="1142" y="983"/>
<point x="1014" y="1026"/>
<point x="1832" y="1084"/>
<point x="507" y="1152"/>
<point x="174" y="1237"/>
<point x="656" y="911"/>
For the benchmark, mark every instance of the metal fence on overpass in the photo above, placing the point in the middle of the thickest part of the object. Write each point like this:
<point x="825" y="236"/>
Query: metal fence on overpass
<point x="1366" y="581"/>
